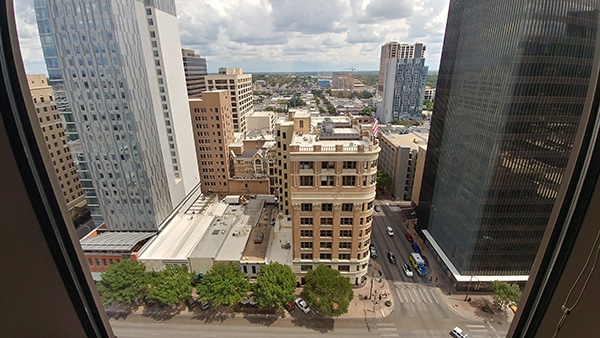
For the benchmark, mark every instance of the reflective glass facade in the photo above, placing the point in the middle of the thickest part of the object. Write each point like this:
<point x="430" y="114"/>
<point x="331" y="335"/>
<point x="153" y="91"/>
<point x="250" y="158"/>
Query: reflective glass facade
<point x="512" y="86"/>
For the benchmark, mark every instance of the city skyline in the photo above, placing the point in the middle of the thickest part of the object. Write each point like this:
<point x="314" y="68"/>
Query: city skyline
<point x="346" y="34"/>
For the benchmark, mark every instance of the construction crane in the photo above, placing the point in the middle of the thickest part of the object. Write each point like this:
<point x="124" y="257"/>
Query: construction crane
<point x="351" y="69"/>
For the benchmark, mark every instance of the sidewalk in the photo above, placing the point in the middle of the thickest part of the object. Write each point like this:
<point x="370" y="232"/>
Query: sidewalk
<point x="363" y="307"/>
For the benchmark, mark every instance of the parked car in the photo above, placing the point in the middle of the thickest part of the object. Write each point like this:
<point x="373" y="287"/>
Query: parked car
<point x="416" y="247"/>
<point x="373" y="251"/>
<point x="302" y="305"/>
<point x="425" y="260"/>
<point x="408" y="237"/>
<point x="377" y="208"/>
<point x="391" y="257"/>
<point x="389" y="231"/>
<point x="203" y="305"/>
<point x="289" y="306"/>
<point x="407" y="271"/>
<point x="458" y="333"/>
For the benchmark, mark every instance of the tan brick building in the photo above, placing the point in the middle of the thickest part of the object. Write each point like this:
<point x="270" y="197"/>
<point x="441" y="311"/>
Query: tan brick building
<point x="239" y="87"/>
<point x="213" y="132"/>
<point x="54" y="134"/>
<point x="327" y="181"/>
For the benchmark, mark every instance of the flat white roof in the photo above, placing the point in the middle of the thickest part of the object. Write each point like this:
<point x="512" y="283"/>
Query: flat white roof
<point x="469" y="278"/>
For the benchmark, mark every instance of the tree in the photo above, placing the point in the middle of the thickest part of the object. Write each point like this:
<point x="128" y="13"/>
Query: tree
<point x="428" y="105"/>
<point x="275" y="285"/>
<point x="505" y="294"/>
<point x="171" y="285"/>
<point x="225" y="284"/>
<point x="384" y="181"/>
<point x="327" y="292"/>
<point x="269" y="108"/>
<point x="123" y="282"/>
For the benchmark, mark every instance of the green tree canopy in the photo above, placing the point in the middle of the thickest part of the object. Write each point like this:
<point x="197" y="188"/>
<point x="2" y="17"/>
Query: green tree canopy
<point x="505" y="294"/>
<point x="428" y="105"/>
<point x="327" y="292"/>
<point x="275" y="285"/>
<point x="224" y="284"/>
<point x="171" y="285"/>
<point x="123" y="282"/>
<point x="384" y="181"/>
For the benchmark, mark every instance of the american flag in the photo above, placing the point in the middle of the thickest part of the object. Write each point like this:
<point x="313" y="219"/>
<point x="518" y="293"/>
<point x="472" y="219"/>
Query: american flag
<point x="375" y="127"/>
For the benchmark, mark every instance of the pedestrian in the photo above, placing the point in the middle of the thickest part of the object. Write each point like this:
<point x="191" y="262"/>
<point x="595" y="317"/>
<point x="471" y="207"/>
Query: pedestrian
<point x="449" y="293"/>
<point x="430" y="278"/>
<point x="436" y="279"/>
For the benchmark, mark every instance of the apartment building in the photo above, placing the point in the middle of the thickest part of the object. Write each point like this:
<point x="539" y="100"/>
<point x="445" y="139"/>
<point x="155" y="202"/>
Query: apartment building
<point x="239" y="86"/>
<point x="398" y="159"/>
<point x="213" y="132"/>
<point x="56" y="140"/>
<point x="123" y="76"/>
<point x="195" y="70"/>
<point x="327" y="179"/>
<point x="342" y="81"/>
<point x="399" y="51"/>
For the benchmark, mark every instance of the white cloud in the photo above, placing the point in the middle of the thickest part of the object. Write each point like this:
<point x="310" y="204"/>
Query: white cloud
<point x="286" y="35"/>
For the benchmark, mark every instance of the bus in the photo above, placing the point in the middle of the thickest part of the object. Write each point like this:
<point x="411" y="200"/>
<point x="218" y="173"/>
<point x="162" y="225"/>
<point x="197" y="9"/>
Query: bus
<point x="418" y="263"/>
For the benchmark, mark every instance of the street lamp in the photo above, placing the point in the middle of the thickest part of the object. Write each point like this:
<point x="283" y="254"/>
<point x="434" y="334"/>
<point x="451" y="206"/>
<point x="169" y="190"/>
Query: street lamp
<point x="469" y="285"/>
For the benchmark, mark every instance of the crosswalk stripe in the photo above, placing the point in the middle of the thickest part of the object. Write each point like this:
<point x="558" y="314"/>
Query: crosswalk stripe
<point x="390" y="335"/>
<point x="424" y="295"/>
<point x="399" y="296"/>
<point x="475" y="326"/>
<point x="416" y="294"/>
<point x="434" y="297"/>
<point x="478" y="330"/>
<point x="411" y="295"/>
<point x="384" y="324"/>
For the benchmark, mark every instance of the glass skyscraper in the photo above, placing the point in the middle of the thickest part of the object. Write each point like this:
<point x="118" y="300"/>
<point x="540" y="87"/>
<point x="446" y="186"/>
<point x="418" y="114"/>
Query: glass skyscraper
<point x="514" y="80"/>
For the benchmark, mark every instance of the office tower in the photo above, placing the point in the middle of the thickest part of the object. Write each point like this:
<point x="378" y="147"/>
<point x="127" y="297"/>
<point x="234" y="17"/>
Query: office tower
<point x="399" y="51"/>
<point x="342" y="81"/>
<point x="121" y="67"/>
<point x="213" y="132"/>
<point x="195" y="71"/>
<point x="514" y="80"/>
<point x="404" y="85"/>
<point x="327" y="187"/>
<point x="398" y="159"/>
<point x="239" y="86"/>
<point x="47" y="114"/>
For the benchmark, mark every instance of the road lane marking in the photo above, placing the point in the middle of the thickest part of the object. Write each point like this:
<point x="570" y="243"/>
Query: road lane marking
<point x="390" y="335"/>
<point x="424" y="295"/>
<point x="475" y="326"/>
<point x="386" y="328"/>
<point x="416" y="295"/>
<point x="411" y="295"/>
<point x="399" y="296"/>
<point x="434" y="297"/>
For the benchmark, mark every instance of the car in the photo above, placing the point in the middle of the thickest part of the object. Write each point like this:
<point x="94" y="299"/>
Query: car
<point x="389" y="231"/>
<point x="408" y="237"/>
<point x="425" y="260"/>
<point x="302" y="305"/>
<point x="458" y="333"/>
<point x="289" y="306"/>
<point x="377" y="208"/>
<point x="407" y="271"/>
<point x="373" y="251"/>
<point x="416" y="247"/>
<point x="391" y="257"/>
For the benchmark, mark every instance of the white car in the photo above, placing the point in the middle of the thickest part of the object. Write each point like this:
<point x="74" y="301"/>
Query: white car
<point x="302" y="305"/>
<point x="407" y="271"/>
<point x="389" y="231"/>
<point x="458" y="333"/>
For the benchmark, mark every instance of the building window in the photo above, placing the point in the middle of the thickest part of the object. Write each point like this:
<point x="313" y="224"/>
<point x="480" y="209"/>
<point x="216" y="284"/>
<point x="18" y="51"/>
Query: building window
<point x="347" y="207"/>
<point x="326" y="221"/>
<point x="344" y="256"/>
<point x="348" y="181"/>
<point x="306" y="233"/>
<point x="346" y="221"/>
<point x="327" y="181"/>
<point x="326" y="233"/>
<point x="306" y="181"/>
<point x="90" y="262"/>
<point x="306" y="267"/>
<point x="345" y="233"/>
<point x="306" y="245"/>
<point x="325" y="256"/>
<point x="327" y="165"/>
<point x="345" y="245"/>
<point x="306" y="165"/>
<point x="306" y="220"/>
<point x="306" y="256"/>
<point x="325" y="245"/>
<point x="306" y="207"/>
<point x="344" y="268"/>
<point x="349" y="164"/>
<point x="327" y="207"/>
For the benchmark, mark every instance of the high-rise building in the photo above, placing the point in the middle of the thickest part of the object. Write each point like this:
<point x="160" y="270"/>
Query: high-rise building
<point x="47" y="114"/>
<point x="239" y="86"/>
<point x="398" y="159"/>
<point x="399" y="51"/>
<point x="327" y="188"/>
<point x="120" y="64"/>
<point x="342" y="81"/>
<point x="405" y="75"/>
<point x="195" y="71"/>
<point x="509" y="103"/>
<point x="213" y="132"/>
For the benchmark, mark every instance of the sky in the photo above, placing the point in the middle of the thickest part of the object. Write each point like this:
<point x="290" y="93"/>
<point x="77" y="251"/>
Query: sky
<point x="286" y="35"/>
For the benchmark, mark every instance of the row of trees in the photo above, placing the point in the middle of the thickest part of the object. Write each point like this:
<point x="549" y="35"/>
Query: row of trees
<point x="326" y="291"/>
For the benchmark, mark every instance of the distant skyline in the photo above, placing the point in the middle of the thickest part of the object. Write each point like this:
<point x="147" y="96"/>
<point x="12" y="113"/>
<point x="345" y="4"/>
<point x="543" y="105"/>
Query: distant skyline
<point x="286" y="35"/>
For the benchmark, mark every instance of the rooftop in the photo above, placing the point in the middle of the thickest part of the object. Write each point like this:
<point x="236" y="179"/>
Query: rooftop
<point x="410" y="140"/>
<point x="114" y="241"/>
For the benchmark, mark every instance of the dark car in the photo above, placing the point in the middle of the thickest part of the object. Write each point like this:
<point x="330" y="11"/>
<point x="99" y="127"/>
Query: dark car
<point x="373" y="251"/>
<point x="290" y="306"/>
<point x="409" y="237"/>
<point x="416" y="247"/>
<point x="391" y="257"/>
<point x="425" y="260"/>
